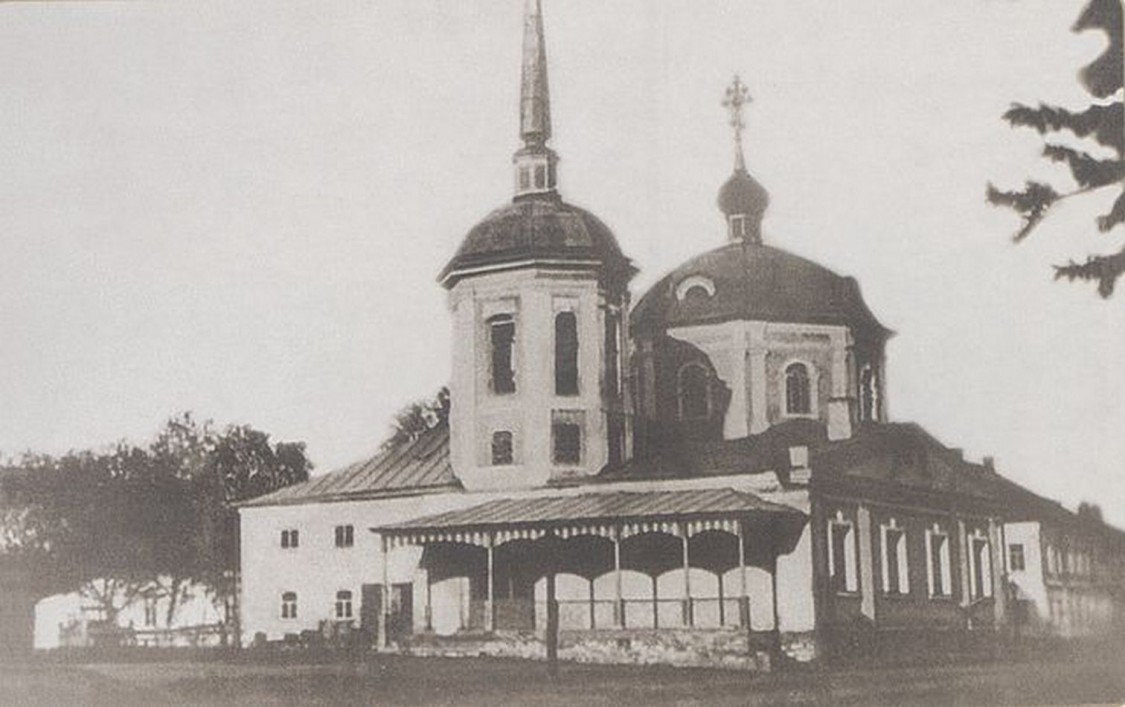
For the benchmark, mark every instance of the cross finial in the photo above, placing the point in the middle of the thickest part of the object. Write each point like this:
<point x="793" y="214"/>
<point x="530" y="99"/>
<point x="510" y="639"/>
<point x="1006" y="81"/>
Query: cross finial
<point x="737" y="96"/>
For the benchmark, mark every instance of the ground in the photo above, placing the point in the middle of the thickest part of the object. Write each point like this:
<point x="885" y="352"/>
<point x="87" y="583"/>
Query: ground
<point x="393" y="680"/>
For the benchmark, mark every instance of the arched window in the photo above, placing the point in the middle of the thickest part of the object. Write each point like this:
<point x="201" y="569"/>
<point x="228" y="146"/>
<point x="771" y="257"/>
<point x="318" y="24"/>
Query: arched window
<point x="797" y="397"/>
<point x="502" y="337"/>
<point x="867" y="393"/>
<point x="566" y="353"/>
<point x="695" y="392"/>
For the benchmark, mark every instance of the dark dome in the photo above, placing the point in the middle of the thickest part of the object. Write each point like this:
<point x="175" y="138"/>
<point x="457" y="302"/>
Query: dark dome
<point x="540" y="228"/>
<point x="742" y="194"/>
<point x="755" y="282"/>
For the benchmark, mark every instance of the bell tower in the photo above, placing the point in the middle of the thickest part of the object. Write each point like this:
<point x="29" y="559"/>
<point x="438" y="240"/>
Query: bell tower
<point x="538" y="292"/>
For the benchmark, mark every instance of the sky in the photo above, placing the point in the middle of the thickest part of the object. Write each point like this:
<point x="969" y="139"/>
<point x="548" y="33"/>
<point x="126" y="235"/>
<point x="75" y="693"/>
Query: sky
<point x="239" y="209"/>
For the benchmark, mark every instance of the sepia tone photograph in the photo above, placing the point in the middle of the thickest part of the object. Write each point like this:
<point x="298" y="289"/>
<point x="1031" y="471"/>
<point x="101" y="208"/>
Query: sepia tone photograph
<point x="545" y="352"/>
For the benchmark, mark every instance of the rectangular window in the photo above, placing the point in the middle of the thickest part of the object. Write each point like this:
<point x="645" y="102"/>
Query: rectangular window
<point x="1015" y="558"/>
<point x="525" y="178"/>
<point x="290" y="539"/>
<point x="345" y="536"/>
<point x="540" y="176"/>
<point x="566" y="437"/>
<point x="343" y="604"/>
<point x="502" y="453"/>
<point x="841" y="555"/>
<point x="896" y="576"/>
<point x="938" y="567"/>
<point x="289" y="605"/>
<point x="566" y="353"/>
<point x="502" y="337"/>
<point x="980" y="568"/>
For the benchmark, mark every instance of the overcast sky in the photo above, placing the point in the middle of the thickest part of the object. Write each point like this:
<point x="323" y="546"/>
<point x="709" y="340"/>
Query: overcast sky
<point x="239" y="208"/>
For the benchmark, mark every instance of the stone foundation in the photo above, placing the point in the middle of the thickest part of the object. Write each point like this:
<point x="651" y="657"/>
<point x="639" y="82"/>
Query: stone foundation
<point x="719" y="648"/>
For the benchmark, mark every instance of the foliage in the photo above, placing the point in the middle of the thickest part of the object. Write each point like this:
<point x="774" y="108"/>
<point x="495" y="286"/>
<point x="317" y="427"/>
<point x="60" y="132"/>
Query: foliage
<point x="132" y="521"/>
<point x="418" y="417"/>
<point x="1100" y="122"/>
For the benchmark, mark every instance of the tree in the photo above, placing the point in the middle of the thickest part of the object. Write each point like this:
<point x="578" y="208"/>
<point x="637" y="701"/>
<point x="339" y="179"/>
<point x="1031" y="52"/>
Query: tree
<point x="418" y="417"/>
<point x="140" y="521"/>
<point x="1100" y="122"/>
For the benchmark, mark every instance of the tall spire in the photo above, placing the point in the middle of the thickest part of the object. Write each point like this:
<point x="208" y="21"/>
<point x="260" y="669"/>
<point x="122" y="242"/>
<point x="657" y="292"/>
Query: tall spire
<point x="535" y="99"/>
<point x="535" y="162"/>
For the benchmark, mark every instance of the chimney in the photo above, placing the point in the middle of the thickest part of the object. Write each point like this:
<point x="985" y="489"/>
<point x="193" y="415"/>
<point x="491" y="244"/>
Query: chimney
<point x="989" y="463"/>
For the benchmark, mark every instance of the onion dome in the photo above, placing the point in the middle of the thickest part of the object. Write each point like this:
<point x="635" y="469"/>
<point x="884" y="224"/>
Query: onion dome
<point x="739" y="281"/>
<point x="743" y="197"/>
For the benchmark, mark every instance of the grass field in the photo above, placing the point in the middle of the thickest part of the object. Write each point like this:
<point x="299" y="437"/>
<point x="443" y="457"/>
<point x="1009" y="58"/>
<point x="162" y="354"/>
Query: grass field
<point x="393" y="680"/>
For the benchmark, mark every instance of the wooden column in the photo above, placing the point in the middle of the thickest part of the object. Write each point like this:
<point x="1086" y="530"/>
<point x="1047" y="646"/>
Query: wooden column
<point x="743" y="595"/>
<point x="429" y="603"/>
<point x="655" y="604"/>
<point x="490" y="603"/>
<point x="618" y="602"/>
<point x="593" y="610"/>
<point x="722" y="609"/>
<point x="385" y="599"/>
<point x="773" y="590"/>
<point x="688" y="619"/>
<point x="552" y="622"/>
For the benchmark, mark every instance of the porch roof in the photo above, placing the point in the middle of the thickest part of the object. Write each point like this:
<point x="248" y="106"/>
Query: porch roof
<point x="625" y="512"/>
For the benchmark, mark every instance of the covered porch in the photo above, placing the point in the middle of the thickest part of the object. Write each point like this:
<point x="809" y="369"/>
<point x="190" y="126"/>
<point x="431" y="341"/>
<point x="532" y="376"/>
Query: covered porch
<point x="612" y="563"/>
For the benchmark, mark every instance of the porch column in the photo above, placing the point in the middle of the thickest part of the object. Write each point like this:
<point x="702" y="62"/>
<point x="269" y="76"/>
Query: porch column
<point x="655" y="603"/>
<point x="999" y="575"/>
<point x="776" y="612"/>
<point x="385" y="603"/>
<point x="688" y="619"/>
<point x="722" y="610"/>
<point x="429" y="603"/>
<point x="490" y="604"/>
<point x="618" y="603"/>
<point x="743" y="597"/>
<point x="593" y="610"/>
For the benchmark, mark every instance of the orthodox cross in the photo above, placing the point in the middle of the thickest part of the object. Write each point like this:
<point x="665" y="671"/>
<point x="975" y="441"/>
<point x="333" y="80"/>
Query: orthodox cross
<point x="737" y="96"/>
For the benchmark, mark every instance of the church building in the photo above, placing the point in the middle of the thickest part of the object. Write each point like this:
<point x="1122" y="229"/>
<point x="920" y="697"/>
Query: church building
<point x="705" y="477"/>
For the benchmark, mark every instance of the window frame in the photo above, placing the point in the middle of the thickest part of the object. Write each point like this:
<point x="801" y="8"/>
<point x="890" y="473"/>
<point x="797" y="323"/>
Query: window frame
<point x="566" y="355"/>
<point x="810" y="382"/>
<point x="494" y="440"/>
<point x="342" y="609"/>
<point x="289" y="605"/>
<point x="980" y="565"/>
<point x="1016" y="550"/>
<point x="942" y="578"/>
<point x="850" y="558"/>
<point x="290" y="538"/>
<point x="681" y="399"/>
<point x="561" y="419"/>
<point x="901" y="558"/>
<point x="345" y="536"/>
<point x="505" y="384"/>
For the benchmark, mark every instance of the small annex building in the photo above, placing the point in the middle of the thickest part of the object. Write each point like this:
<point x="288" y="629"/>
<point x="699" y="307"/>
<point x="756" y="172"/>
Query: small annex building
<point x="708" y="477"/>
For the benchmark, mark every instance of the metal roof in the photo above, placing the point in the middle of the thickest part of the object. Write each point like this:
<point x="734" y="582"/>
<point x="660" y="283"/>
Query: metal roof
<point x="617" y="506"/>
<point x="420" y="465"/>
